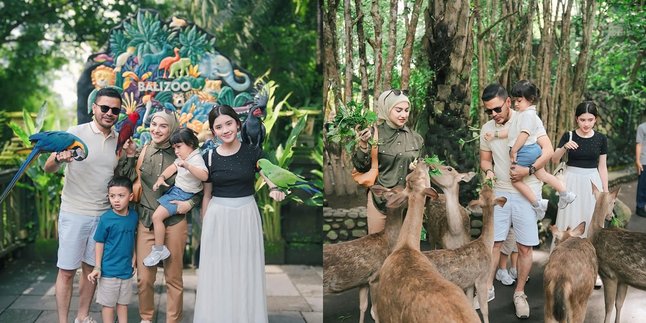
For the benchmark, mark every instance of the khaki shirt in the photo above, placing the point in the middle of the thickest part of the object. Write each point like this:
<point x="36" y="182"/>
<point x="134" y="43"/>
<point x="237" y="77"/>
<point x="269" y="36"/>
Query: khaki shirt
<point x="154" y="163"/>
<point x="397" y="149"/>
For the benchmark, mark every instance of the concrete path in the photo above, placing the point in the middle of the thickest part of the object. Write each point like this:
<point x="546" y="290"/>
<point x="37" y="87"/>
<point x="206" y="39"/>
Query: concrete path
<point x="294" y="294"/>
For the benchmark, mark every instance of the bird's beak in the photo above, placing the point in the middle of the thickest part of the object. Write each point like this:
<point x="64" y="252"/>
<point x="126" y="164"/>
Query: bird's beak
<point x="79" y="151"/>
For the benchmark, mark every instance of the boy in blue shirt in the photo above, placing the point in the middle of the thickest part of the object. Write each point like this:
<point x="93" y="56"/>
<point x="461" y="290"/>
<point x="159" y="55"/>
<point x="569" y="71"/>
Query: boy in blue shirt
<point x="115" y="259"/>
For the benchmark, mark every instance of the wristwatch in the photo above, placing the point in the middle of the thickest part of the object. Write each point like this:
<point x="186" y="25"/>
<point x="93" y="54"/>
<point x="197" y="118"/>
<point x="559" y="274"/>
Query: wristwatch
<point x="532" y="169"/>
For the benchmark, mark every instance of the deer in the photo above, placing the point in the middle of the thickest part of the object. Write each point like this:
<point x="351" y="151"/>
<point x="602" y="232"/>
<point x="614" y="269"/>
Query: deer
<point x="470" y="265"/>
<point x="621" y="255"/>
<point x="351" y="264"/>
<point x="409" y="287"/>
<point x="448" y="225"/>
<point x="569" y="276"/>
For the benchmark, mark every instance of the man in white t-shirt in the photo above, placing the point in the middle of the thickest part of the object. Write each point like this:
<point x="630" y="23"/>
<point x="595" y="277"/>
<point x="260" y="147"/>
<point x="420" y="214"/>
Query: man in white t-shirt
<point x="495" y="163"/>
<point x="83" y="200"/>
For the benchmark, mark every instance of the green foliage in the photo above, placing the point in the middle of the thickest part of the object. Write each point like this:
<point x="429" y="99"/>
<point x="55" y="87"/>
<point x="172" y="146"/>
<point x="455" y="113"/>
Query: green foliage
<point x="261" y="34"/>
<point x="194" y="43"/>
<point x="348" y="120"/>
<point x="146" y="33"/>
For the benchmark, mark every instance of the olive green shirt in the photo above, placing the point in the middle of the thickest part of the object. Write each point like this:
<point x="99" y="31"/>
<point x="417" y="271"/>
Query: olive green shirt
<point x="397" y="149"/>
<point x="154" y="163"/>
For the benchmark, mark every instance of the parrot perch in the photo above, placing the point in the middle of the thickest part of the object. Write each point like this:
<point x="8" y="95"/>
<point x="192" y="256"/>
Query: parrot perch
<point x="285" y="179"/>
<point x="49" y="141"/>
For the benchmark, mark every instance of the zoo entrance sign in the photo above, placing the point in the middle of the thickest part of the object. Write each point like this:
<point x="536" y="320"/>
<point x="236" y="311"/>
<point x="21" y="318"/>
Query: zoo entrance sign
<point x="164" y="86"/>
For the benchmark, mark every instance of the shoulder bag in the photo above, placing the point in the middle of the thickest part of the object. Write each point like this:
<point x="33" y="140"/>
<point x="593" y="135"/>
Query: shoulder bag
<point x="136" y="186"/>
<point x="368" y="178"/>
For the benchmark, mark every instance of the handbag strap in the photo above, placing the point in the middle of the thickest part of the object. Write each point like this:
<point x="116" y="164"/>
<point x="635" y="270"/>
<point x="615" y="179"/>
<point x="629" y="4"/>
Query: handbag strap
<point x="374" y="152"/>
<point x="140" y="161"/>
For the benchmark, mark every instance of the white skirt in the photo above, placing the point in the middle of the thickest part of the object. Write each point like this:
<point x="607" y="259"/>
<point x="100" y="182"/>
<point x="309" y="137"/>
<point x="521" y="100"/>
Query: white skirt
<point x="578" y="180"/>
<point x="231" y="277"/>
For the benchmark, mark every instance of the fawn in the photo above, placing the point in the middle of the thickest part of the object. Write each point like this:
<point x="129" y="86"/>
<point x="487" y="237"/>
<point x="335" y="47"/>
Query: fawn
<point x="569" y="276"/>
<point x="410" y="289"/>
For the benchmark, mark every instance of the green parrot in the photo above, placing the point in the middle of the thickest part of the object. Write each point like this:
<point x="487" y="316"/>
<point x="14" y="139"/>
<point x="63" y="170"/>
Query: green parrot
<point x="285" y="179"/>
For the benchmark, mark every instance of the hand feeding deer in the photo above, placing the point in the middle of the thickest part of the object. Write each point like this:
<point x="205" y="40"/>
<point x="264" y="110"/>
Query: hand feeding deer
<point x="448" y="225"/>
<point x="621" y="255"/>
<point x="470" y="265"/>
<point x="410" y="289"/>
<point x="351" y="264"/>
<point x="569" y="276"/>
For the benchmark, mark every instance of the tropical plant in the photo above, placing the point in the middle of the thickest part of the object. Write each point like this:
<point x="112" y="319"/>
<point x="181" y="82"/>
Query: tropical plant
<point x="194" y="43"/>
<point x="146" y="33"/>
<point x="46" y="186"/>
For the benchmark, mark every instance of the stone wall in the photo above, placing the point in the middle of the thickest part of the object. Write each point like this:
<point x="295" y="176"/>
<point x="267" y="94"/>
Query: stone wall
<point x="344" y="224"/>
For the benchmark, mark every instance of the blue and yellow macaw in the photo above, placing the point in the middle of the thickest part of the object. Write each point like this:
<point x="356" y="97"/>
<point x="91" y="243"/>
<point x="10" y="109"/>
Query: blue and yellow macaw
<point x="49" y="141"/>
<point x="283" y="178"/>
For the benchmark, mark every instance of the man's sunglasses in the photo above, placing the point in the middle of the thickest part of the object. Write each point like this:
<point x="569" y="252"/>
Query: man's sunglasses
<point x="105" y="108"/>
<point x="396" y="92"/>
<point x="496" y="110"/>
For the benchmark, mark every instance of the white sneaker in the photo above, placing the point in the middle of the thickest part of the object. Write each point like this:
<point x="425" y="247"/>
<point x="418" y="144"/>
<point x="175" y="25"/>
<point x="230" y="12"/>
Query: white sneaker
<point x="566" y="199"/>
<point x="502" y="275"/>
<point x="491" y="294"/>
<point x="88" y="319"/>
<point x="540" y="209"/>
<point x="513" y="272"/>
<point x="156" y="256"/>
<point x="598" y="283"/>
<point x="522" y="307"/>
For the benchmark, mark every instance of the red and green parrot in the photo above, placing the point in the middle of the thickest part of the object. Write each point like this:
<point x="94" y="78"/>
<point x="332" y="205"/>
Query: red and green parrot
<point x="285" y="179"/>
<point x="47" y="142"/>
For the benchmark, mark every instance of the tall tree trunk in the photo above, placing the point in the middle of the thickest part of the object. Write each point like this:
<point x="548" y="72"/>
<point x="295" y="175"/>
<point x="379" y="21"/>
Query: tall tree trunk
<point x="583" y="60"/>
<point x="376" y="44"/>
<point x="361" y="42"/>
<point x="560" y="111"/>
<point x="407" y="51"/>
<point x="331" y="77"/>
<point x="543" y="60"/>
<point x="449" y="51"/>
<point x="347" y="19"/>
<point x="392" y="45"/>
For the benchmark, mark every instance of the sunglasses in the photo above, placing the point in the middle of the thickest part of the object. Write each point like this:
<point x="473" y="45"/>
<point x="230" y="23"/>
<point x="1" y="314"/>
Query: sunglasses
<point x="491" y="111"/>
<point x="396" y="92"/>
<point x="105" y="108"/>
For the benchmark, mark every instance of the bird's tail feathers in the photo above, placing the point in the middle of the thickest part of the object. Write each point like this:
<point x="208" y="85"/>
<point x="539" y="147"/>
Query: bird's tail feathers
<point x="32" y="156"/>
<point x="308" y="187"/>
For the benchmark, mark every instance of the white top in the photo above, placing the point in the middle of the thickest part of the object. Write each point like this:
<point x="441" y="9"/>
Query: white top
<point x="85" y="188"/>
<point x="641" y="140"/>
<point x="526" y="121"/>
<point x="184" y="179"/>
<point x="500" y="152"/>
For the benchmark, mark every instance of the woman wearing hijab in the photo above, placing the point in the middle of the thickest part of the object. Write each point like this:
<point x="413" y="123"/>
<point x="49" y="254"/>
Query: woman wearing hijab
<point x="157" y="155"/>
<point x="398" y="146"/>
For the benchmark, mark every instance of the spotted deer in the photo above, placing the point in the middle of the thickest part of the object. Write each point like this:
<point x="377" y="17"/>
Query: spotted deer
<point x="409" y="287"/>
<point x="569" y="276"/>
<point x="448" y="222"/>
<point x="351" y="264"/>
<point x="621" y="255"/>
<point x="469" y="266"/>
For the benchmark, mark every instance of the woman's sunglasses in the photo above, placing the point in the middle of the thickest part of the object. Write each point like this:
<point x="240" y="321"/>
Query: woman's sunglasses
<point x="106" y="108"/>
<point x="491" y="111"/>
<point x="396" y="92"/>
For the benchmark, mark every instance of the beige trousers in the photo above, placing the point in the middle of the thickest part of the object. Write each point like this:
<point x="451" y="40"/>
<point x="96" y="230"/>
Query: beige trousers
<point x="376" y="219"/>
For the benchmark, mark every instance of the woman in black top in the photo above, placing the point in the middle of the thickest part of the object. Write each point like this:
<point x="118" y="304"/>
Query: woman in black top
<point x="586" y="162"/>
<point x="231" y="279"/>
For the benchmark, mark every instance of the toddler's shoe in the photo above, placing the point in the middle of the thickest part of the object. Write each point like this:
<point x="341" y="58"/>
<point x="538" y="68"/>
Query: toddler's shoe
<point x="513" y="272"/>
<point x="156" y="256"/>
<point x="540" y="209"/>
<point x="503" y="276"/>
<point x="566" y="199"/>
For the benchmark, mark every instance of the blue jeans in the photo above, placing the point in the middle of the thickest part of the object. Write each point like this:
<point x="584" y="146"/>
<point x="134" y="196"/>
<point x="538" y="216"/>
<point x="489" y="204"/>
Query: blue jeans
<point x="641" y="189"/>
<point x="173" y="194"/>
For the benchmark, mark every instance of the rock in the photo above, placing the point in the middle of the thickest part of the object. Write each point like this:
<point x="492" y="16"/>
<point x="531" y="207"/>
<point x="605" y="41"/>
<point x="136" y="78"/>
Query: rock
<point x="343" y="234"/>
<point x="353" y="214"/>
<point x="361" y="223"/>
<point x="476" y="224"/>
<point x="474" y="232"/>
<point x="326" y="227"/>
<point x="349" y="224"/>
<point x="622" y="214"/>
<point x="336" y="226"/>
<point x="332" y="235"/>
<point x="358" y="233"/>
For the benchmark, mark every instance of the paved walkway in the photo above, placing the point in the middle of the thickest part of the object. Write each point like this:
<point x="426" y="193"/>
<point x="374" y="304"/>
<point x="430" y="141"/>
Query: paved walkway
<point x="294" y="294"/>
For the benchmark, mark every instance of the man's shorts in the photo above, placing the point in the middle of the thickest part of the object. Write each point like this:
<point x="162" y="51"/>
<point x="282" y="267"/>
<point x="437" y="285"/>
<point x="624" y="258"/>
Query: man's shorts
<point x="76" y="240"/>
<point x="113" y="291"/>
<point x="519" y="213"/>
<point x="173" y="194"/>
